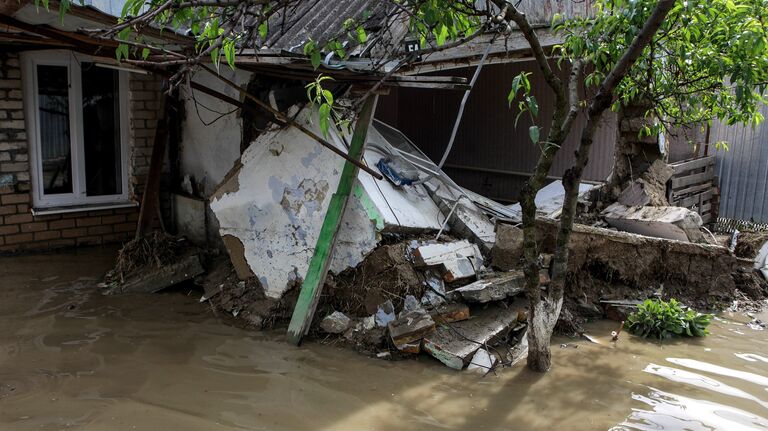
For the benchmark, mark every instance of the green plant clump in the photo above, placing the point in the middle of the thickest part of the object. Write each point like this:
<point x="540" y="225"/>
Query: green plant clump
<point x="662" y="320"/>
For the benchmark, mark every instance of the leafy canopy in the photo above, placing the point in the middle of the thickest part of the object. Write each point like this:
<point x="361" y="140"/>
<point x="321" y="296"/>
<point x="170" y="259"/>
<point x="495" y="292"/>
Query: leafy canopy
<point x="708" y="61"/>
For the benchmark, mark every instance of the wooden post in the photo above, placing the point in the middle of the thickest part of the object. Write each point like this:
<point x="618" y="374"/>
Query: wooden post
<point x="150" y="200"/>
<point x="321" y="259"/>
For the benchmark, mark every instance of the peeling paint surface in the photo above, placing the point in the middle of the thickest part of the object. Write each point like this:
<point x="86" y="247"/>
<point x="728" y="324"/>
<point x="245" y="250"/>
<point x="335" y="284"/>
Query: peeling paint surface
<point x="278" y="207"/>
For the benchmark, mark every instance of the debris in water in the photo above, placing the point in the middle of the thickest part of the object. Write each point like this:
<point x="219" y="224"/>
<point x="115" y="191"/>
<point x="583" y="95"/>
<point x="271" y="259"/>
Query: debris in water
<point x="411" y="326"/>
<point x="615" y="334"/>
<point x="591" y="339"/>
<point x="756" y="325"/>
<point x="154" y="279"/>
<point x="482" y="360"/>
<point x="454" y="344"/>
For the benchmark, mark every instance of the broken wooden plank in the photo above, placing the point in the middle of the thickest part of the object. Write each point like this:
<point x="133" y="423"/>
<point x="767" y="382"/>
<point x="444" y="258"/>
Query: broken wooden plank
<point x="688" y="180"/>
<point x="155" y="279"/>
<point x="410" y="327"/>
<point x="495" y="288"/>
<point x="150" y="199"/>
<point x="690" y="201"/>
<point x="321" y="259"/>
<point x="681" y="193"/>
<point x="454" y="344"/>
<point x="690" y="165"/>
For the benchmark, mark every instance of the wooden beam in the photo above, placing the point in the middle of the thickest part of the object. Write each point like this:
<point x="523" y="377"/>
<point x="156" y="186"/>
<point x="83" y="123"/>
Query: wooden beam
<point x="321" y="259"/>
<point x="150" y="200"/>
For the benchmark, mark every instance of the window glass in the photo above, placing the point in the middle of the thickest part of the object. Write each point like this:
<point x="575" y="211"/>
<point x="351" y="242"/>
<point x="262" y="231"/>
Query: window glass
<point x="53" y="118"/>
<point x="101" y="130"/>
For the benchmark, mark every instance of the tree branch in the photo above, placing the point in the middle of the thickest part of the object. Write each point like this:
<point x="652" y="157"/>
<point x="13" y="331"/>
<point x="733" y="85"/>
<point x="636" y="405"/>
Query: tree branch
<point x="513" y="14"/>
<point x="573" y="95"/>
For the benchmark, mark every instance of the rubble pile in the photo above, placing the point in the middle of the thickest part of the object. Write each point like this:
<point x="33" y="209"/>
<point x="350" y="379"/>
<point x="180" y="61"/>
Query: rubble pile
<point x="427" y="297"/>
<point x="425" y="267"/>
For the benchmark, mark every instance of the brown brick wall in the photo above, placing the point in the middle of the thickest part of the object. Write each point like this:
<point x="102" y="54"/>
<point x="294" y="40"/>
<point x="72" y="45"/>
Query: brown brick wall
<point x="19" y="229"/>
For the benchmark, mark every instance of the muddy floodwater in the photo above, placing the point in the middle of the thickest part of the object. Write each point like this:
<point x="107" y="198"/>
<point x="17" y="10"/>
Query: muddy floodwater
<point x="71" y="358"/>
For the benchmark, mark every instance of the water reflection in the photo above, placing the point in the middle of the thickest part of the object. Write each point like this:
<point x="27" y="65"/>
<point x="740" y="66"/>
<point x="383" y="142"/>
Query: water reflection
<point x="666" y="411"/>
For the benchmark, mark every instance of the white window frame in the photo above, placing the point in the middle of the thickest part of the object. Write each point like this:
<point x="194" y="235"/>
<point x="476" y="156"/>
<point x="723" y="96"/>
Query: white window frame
<point x="78" y="197"/>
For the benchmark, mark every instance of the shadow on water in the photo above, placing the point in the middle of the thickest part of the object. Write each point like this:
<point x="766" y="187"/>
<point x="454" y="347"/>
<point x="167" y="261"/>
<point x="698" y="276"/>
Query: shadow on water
<point x="72" y="358"/>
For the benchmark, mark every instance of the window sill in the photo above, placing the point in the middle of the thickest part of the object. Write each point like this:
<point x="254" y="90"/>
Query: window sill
<point x="82" y="208"/>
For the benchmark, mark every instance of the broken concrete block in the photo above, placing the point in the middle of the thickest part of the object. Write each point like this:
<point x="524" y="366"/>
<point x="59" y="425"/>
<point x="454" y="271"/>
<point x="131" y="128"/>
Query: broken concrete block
<point x="454" y="344"/>
<point x="447" y="313"/>
<point x="676" y="223"/>
<point x="508" y="249"/>
<point x="458" y="269"/>
<point x="457" y="260"/>
<point x="493" y="289"/>
<point x="385" y="314"/>
<point x="335" y="323"/>
<point x="411" y="303"/>
<point x="156" y="279"/>
<point x="412" y="326"/>
<point x="438" y="254"/>
<point x="368" y="323"/>
<point x="435" y="293"/>
<point x="650" y="189"/>
<point x="634" y="195"/>
<point x="466" y="219"/>
<point x="482" y="361"/>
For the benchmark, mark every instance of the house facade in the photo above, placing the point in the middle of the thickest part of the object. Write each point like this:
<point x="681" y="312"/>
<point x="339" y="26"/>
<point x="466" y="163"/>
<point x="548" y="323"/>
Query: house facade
<point x="75" y="141"/>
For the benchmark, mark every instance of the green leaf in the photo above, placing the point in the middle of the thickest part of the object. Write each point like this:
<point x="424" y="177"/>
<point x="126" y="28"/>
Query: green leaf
<point x="362" y="36"/>
<point x="533" y="132"/>
<point x="533" y="106"/>
<point x="325" y="117"/>
<point x="145" y="53"/>
<point x="263" y="30"/>
<point x="229" y="52"/>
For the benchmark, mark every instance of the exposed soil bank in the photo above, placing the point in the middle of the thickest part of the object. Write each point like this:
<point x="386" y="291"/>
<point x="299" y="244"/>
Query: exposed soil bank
<point x="71" y="358"/>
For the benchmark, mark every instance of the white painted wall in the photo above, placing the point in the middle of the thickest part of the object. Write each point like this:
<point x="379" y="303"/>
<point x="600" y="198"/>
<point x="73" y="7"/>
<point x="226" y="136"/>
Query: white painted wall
<point x="210" y="146"/>
<point x="284" y="189"/>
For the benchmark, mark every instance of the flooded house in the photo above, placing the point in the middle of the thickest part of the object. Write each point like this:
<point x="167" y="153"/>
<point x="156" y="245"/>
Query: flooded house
<point x="395" y="235"/>
<point x="96" y="151"/>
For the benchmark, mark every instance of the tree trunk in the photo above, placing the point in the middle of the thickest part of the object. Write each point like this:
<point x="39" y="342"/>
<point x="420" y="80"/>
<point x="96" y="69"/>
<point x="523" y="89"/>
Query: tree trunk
<point x="633" y="154"/>
<point x="542" y="317"/>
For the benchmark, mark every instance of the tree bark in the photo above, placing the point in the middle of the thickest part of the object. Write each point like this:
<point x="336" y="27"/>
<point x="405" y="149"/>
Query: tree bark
<point x="544" y="307"/>
<point x="601" y="102"/>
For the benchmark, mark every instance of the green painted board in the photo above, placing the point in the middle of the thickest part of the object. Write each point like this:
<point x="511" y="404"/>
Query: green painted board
<point x="321" y="259"/>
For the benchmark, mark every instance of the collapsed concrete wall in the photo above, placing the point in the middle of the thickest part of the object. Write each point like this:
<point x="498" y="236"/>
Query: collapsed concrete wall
<point x="604" y="263"/>
<point x="271" y="206"/>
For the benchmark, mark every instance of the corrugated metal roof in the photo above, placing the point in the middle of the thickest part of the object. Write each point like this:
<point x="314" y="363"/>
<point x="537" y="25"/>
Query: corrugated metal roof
<point x="322" y="21"/>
